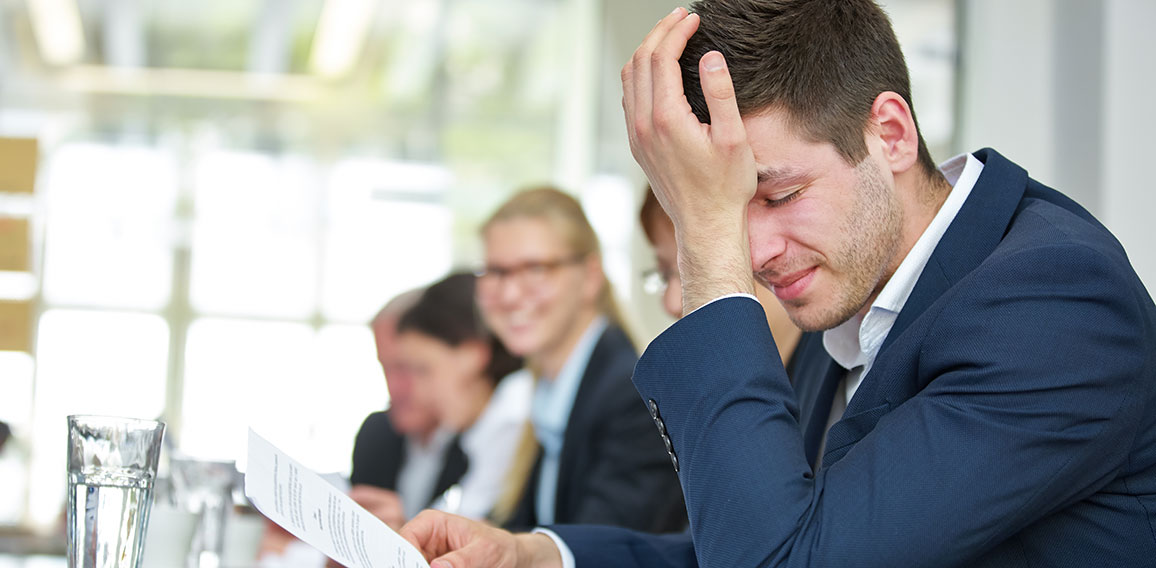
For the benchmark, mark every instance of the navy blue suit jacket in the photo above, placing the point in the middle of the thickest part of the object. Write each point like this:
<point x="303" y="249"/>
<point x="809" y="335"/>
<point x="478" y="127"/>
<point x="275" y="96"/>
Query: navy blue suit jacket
<point x="1008" y="420"/>
<point x="613" y="468"/>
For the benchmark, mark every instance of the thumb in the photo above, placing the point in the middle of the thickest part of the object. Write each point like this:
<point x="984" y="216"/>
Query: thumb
<point x="726" y="124"/>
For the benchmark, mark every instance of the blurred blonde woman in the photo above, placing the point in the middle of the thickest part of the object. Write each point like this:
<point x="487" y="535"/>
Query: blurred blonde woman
<point x="593" y="454"/>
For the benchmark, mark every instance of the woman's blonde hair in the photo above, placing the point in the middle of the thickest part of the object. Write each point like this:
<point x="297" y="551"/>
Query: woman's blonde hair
<point x="564" y="215"/>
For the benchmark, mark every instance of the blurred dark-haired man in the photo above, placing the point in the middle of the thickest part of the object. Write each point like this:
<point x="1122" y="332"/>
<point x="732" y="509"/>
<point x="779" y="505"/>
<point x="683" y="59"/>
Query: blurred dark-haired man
<point x="402" y="459"/>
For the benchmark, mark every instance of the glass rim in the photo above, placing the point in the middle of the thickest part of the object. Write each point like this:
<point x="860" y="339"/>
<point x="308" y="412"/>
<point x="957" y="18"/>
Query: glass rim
<point x="187" y="459"/>
<point x="109" y="420"/>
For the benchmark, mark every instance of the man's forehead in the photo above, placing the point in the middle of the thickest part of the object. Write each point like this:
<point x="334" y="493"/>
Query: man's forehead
<point x="773" y="135"/>
<point x="783" y="154"/>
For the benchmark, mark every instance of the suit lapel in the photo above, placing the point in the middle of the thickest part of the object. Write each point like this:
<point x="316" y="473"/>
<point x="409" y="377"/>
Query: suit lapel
<point x="812" y="372"/>
<point x="971" y="237"/>
<point x="454" y="466"/>
<point x="393" y="454"/>
<point x="576" y="425"/>
<point x="525" y="516"/>
<point x="979" y="226"/>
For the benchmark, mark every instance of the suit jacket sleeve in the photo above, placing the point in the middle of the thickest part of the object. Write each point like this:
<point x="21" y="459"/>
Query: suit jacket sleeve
<point x="596" y="546"/>
<point x="1030" y="402"/>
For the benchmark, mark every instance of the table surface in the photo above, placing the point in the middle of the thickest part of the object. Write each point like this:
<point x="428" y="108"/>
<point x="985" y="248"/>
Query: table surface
<point x="15" y="542"/>
<point x="32" y="561"/>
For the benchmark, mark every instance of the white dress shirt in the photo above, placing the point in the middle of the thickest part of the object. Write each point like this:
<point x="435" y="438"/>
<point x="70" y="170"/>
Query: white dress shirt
<point x="420" y="471"/>
<point x="489" y="445"/>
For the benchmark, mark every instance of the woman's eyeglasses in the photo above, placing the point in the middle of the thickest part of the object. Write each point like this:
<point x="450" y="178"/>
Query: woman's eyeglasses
<point x="655" y="280"/>
<point x="530" y="274"/>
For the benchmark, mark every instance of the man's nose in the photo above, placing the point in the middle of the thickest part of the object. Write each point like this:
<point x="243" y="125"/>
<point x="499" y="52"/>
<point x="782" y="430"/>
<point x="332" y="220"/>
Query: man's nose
<point x="767" y="243"/>
<point x="510" y="289"/>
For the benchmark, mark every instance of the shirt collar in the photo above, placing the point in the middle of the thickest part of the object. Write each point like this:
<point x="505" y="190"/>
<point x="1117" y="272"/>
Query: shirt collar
<point x="435" y="446"/>
<point x="856" y="341"/>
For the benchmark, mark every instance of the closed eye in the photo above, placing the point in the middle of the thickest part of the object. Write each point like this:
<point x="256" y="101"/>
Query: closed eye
<point x="783" y="200"/>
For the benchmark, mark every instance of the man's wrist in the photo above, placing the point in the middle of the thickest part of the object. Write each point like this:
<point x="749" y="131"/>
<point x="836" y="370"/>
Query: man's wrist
<point x="714" y="258"/>
<point x="537" y="550"/>
<point x="711" y="267"/>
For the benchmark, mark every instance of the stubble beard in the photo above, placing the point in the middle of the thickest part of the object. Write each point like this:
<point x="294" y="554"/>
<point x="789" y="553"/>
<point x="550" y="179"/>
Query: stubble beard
<point x="871" y="237"/>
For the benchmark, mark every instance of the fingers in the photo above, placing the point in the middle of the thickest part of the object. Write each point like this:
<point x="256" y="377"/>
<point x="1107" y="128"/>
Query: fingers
<point x="489" y="549"/>
<point x="451" y="541"/>
<point x="427" y="533"/>
<point x="669" y="98"/>
<point x="642" y="61"/>
<point x="637" y="80"/>
<point x="464" y="558"/>
<point x="718" y="90"/>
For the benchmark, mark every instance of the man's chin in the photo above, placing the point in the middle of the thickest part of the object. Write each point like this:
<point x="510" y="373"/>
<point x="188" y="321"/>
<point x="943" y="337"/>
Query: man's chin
<point x="409" y="426"/>
<point x="808" y="327"/>
<point x="808" y="317"/>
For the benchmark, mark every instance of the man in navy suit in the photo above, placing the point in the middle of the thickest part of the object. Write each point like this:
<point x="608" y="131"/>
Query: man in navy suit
<point x="994" y="399"/>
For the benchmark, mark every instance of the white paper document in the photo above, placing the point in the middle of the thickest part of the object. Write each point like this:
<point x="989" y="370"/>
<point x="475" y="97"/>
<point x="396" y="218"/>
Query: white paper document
<point x="320" y="514"/>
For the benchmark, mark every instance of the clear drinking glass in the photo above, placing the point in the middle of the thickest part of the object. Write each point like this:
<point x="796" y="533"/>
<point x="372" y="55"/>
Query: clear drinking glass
<point x="205" y="487"/>
<point x="112" y="464"/>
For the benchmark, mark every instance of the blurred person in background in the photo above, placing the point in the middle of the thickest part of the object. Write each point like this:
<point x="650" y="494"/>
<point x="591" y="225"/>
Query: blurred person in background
<point x="402" y="457"/>
<point x="465" y="374"/>
<point x="592" y="454"/>
<point x="12" y="478"/>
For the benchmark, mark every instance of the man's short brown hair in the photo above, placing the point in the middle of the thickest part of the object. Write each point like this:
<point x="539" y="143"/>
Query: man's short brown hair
<point x="822" y="61"/>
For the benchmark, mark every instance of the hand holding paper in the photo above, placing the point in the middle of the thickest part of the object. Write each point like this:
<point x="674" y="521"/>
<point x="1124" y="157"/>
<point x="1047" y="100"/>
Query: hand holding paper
<point x="458" y="542"/>
<point x="320" y="514"/>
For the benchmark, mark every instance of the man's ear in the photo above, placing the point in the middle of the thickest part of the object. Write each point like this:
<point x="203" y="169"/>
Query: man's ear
<point x="893" y="132"/>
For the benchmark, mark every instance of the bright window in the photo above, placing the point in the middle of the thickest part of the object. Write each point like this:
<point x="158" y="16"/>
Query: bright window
<point x="306" y="391"/>
<point x="242" y="373"/>
<point x="254" y="239"/>
<point x="388" y="232"/>
<point x="90" y="362"/>
<point x="109" y="236"/>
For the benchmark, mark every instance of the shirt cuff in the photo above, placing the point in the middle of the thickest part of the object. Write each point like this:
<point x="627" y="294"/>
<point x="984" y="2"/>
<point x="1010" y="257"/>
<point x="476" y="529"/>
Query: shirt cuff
<point x="567" y="556"/>
<point x="735" y="295"/>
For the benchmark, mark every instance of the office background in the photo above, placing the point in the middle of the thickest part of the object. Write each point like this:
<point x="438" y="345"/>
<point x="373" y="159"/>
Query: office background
<point x="227" y="190"/>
